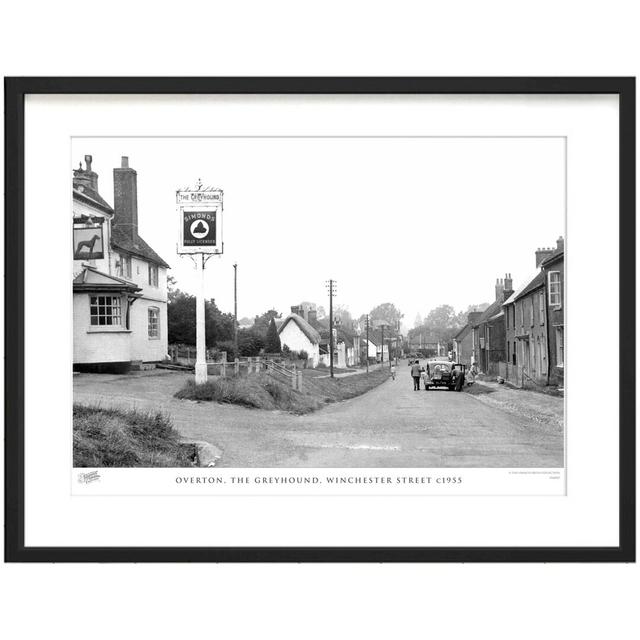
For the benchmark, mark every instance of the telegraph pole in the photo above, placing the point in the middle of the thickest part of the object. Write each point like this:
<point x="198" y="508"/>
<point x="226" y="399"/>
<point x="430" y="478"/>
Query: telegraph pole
<point x="235" y="310"/>
<point x="331" y="286"/>
<point x="397" y="334"/>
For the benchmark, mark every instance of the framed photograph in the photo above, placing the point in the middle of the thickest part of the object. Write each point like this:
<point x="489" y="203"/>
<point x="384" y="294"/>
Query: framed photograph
<point x="413" y="342"/>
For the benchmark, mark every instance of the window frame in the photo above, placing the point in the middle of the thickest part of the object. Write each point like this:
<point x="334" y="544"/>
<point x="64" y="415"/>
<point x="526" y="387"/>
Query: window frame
<point x="124" y="259"/>
<point x="560" y="346"/>
<point x="116" y="318"/>
<point x="151" y="310"/>
<point x="551" y="286"/>
<point x="153" y="269"/>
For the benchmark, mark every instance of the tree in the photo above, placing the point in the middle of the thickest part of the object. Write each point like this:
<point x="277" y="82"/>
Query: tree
<point x="250" y="343"/>
<point x="418" y="321"/>
<point x="272" y="342"/>
<point x="386" y="313"/>
<point x="181" y="317"/>
<point x="218" y="325"/>
<point x="443" y="322"/>
<point x="463" y="316"/>
<point x="262" y="322"/>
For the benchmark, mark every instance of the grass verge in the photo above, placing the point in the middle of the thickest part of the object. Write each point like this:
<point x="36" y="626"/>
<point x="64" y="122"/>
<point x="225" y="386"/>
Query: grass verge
<point x="261" y="391"/>
<point x="116" y="438"/>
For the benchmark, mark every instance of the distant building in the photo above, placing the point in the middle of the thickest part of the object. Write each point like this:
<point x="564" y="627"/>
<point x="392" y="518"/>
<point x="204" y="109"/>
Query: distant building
<point x="488" y="336"/>
<point x="119" y="281"/>
<point x="426" y="342"/>
<point x="298" y="335"/>
<point x="463" y="340"/>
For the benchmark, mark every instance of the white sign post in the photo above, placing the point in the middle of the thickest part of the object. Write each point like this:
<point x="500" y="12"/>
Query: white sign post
<point x="200" y="218"/>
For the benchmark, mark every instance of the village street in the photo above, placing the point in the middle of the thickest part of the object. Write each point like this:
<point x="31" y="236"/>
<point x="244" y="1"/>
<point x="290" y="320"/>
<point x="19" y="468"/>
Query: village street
<point x="390" y="426"/>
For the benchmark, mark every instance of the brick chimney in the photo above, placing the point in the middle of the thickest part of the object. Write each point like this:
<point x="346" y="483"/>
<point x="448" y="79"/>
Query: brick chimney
<point x="86" y="178"/>
<point x="499" y="288"/>
<point x="473" y="316"/>
<point x="560" y="243"/>
<point x="543" y="254"/>
<point x="312" y="317"/>
<point x="508" y="285"/>
<point x="125" y="198"/>
<point x="297" y="309"/>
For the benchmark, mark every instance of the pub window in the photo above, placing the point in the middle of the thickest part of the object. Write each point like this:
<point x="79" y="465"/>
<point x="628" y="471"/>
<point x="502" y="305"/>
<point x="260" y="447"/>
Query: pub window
<point x="153" y="275"/>
<point x="154" y="322"/>
<point x="105" y="310"/>
<point x="555" y="289"/>
<point x="124" y="266"/>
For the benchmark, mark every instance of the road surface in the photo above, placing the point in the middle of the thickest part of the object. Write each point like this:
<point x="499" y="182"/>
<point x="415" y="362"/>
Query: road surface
<point x="390" y="426"/>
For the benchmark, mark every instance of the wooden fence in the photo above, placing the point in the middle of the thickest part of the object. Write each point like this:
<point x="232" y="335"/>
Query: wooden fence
<point x="279" y="370"/>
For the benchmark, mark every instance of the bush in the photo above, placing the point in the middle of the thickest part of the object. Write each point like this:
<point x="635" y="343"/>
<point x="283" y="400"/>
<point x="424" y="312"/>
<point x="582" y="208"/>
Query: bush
<point x="115" y="438"/>
<point x="255" y="391"/>
<point x="230" y="347"/>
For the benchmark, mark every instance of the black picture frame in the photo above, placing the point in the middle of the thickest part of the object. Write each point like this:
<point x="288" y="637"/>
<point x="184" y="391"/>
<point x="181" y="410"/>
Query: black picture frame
<point x="15" y="91"/>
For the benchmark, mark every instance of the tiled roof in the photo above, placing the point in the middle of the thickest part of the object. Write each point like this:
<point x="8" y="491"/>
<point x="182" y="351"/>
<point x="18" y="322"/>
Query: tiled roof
<point x="92" y="197"/>
<point x="512" y="298"/>
<point x="90" y="279"/>
<point x="493" y="309"/>
<point x="303" y="325"/>
<point x="536" y="283"/>
<point x="122" y="240"/>
<point x="463" y="332"/>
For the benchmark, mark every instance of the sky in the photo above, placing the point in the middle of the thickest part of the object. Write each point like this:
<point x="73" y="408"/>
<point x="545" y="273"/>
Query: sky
<point x="418" y="222"/>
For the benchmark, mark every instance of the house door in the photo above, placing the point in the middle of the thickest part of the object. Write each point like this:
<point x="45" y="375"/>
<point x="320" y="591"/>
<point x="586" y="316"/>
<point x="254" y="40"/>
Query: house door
<point x="526" y="363"/>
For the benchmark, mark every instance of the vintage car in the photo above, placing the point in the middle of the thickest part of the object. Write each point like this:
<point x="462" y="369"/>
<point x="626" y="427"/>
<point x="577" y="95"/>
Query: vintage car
<point x="443" y="373"/>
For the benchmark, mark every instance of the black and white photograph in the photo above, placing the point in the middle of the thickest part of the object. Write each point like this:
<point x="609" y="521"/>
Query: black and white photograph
<point x="319" y="302"/>
<point x="363" y="320"/>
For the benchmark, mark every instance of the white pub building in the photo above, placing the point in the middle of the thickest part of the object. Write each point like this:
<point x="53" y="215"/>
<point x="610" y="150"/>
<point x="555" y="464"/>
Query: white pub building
<point x="119" y="281"/>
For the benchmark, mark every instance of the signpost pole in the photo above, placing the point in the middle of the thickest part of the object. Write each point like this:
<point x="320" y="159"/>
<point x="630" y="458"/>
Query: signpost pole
<point x="201" y="360"/>
<point x="200" y="212"/>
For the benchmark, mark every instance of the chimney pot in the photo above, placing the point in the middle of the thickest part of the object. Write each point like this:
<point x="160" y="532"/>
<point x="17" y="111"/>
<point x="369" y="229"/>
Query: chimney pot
<point x="124" y="162"/>
<point x="88" y="160"/>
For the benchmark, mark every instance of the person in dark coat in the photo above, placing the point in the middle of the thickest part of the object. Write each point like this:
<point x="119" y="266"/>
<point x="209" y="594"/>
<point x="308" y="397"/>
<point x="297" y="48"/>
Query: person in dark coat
<point x="415" y="374"/>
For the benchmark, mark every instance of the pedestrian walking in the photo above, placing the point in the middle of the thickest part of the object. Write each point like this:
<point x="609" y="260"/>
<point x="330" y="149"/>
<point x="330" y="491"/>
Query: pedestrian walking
<point x="473" y="372"/>
<point x="393" y="371"/>
<point x="415" y="374"/>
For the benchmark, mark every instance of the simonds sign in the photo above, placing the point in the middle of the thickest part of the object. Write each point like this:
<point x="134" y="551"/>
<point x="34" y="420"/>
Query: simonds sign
<point x="200" y="217"/>
<point x="199" y="228"/>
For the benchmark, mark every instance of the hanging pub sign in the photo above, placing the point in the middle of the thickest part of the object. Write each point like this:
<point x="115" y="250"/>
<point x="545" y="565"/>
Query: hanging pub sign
<point x="87" y="241"/>
<point x="200" y="218"/>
